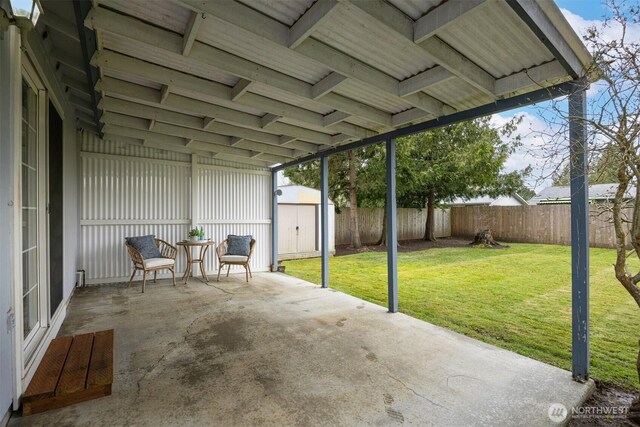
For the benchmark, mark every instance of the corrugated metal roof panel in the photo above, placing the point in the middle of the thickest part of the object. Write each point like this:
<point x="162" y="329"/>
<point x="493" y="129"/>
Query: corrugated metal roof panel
<point x="372" y="96"/>
<point x="415" y="8"/>
<point x="218" y="101"/>
<point x="498" y="49"/>
<point x="165" y="14"/>
<point x="159" y="56"/>
<point x="232" y="39"/>
<point x="459" y="94"/>
<point x="129" y="78"/>
<point x="289" y="98"/>
<point x="355" y="33"/>
<point x="285" y="11"/>
<point x="356" y="120"/>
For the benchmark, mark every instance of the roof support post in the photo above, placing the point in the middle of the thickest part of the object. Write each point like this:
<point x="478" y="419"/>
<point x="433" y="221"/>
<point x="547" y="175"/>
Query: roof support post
<point x="392" y="228"/>
<point x="274" y="220"/>
<point x="579" y="234"/>
<point x="324" y="217"/>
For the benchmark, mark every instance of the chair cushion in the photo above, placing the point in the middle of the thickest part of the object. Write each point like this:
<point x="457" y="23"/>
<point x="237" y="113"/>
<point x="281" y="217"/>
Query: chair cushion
<point x="158" y="262"/>
<point x="238" y="245"/>
<point x="234" y="258"/>
<point x="146" y="245"/>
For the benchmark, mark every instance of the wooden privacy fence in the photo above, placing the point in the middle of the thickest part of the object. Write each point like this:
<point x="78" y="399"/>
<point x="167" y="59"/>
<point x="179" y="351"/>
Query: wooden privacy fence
<point x="410" y="224"/>
<point x="532" y="224"/>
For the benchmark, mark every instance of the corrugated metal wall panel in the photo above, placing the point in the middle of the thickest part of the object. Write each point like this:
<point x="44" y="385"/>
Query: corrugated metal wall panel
<point x="236" y="202"/>
<point x="133" y="190"/>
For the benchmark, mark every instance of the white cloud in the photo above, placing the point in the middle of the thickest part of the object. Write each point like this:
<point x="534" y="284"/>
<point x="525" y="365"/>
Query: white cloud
<point x="534" y="150"/>
<point x="613" y="31"/>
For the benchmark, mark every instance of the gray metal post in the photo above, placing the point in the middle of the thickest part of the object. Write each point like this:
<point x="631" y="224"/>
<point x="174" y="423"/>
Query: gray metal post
<point x="274" y="221"/>
<point x="324" y="214"/>
<point x="579" y="235"/>
<point x="392" y="228"/>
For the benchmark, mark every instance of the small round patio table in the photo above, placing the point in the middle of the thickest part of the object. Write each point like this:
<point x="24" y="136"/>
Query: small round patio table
<point x="204" y="247"/>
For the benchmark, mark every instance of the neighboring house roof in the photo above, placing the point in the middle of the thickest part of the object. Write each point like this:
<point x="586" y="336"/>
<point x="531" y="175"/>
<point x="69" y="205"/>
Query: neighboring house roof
<point x="562" y="194"/>
<point x="510" y="200"/>
<point x="299" y="194"/>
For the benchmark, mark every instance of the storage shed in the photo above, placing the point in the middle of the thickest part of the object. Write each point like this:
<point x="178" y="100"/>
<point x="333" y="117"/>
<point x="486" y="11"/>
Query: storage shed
<point x="299" y="227"/>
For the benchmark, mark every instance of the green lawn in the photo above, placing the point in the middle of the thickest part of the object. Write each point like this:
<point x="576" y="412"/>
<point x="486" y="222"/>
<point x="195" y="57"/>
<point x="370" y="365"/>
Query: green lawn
<point x="518" y="299"/>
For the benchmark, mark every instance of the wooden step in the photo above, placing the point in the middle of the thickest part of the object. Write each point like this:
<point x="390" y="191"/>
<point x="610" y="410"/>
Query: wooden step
<point x="73" y="369"/>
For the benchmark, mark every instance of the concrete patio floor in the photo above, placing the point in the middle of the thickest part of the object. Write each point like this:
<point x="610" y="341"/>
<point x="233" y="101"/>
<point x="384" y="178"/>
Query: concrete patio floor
<point x="281" y="351"/>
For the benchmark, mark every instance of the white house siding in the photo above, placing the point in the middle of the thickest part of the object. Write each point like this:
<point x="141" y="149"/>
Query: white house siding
<point x="16" y="367"/>
<point x="134" y="190"/>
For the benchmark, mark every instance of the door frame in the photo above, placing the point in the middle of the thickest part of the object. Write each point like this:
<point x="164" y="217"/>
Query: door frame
<point x="28" y="346"/>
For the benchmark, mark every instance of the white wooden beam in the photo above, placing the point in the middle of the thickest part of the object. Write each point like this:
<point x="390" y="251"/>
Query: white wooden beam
<point x="240" y="88"/>
<point x="166" y="76"/>
<point x="152" y="123"/>
<point x="68" y="58"/>
<point x="206" y="122"/>
<point x="335" y="117"/>
<point x="310" y="20"/>
<point x="170" y="46"/>
<point x="195" y="20"/>
<point x="442" y="16"/>
<point x="340" y="138"/>
<point x="285" y="139"/>
<point x="534" y="78"/>
<point x="341" y="103"/>
<point x="178" y="147"/>
<point x="412" y="115"/>
<point x="353" y="68"/>
<point x="61" y="25"/>
<point x="148" y="112"/>
<point x="235" y="141"/>
<point x="77" y="85"/>
<point x="424" y="80"/>
<point x="438" y="51"/>
<point x="327" y="84"/>
<point x="461" y="66"/>
<point x="133" y="129"/>
<point x="164" y="93"/>
<point x="268" y="119"/>
<point x="142" y="94"/>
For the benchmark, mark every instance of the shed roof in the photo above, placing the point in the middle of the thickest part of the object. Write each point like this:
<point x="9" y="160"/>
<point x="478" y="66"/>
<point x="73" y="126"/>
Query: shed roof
<point x="266" y="82"/>
<point x="299" y="194"/>
<point x="563" y="193"/>
<point x="489" y="201"/>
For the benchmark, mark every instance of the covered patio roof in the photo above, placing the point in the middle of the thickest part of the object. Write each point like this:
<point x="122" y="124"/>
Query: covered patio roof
<point x="266" y="83"/>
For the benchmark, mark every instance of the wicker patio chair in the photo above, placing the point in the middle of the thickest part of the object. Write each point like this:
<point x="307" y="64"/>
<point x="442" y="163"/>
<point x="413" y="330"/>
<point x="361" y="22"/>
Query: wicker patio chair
<point x="229" y="260"/>
<point x="167" y="260"/>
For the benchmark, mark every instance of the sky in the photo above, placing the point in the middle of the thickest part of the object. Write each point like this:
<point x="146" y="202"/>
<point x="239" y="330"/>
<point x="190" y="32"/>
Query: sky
<point x="581" y="14"/>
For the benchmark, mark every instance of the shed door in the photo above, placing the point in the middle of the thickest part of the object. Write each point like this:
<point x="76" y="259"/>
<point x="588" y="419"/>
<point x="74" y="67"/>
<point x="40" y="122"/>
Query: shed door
<point x="287" y="222"/>
<point x="296" y="228"/>
<point x="306" y="231"/>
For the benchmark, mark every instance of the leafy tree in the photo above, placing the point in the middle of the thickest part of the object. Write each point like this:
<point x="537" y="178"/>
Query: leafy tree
<point x="603" y="168"/>
<point x="461" y="160"/>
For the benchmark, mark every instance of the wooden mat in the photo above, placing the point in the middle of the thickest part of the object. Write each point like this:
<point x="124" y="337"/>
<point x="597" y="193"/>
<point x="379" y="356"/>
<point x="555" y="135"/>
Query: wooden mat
<point x="73" y="369"/>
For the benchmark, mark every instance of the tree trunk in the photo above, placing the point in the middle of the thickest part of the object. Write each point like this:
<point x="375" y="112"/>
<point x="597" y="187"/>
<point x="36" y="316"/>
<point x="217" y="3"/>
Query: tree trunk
<point x="430" y="223"/>
<point x="382" y="241"/>
<point x="354" y="231"/>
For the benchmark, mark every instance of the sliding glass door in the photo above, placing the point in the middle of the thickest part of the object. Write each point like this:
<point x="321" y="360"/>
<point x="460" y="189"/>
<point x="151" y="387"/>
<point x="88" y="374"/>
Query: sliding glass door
<point x="34" y="265"/>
